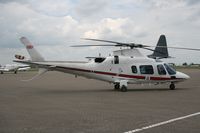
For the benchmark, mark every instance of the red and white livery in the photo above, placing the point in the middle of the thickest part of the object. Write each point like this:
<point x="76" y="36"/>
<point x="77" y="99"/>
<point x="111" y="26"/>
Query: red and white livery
<point x="125" y="66"/>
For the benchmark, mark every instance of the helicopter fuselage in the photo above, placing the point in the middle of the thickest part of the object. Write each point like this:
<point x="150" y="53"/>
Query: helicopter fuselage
<point x="114" y="69"/>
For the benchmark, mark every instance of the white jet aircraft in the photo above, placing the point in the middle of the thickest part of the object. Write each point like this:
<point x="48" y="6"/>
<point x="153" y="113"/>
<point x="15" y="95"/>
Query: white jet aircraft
<point x="14" y="67"/>
<point x="125" y="66"/>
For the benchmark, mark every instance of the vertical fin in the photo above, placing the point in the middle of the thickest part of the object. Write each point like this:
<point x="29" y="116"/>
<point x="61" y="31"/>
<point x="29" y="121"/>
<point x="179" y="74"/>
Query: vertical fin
<point x="160" y="52"/>
<point x="35" y="56"/>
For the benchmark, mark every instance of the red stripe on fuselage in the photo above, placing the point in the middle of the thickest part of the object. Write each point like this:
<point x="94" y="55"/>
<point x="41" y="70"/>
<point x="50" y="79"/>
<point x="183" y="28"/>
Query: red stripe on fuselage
<point x="74" y="69"/>
<point x="132" y="76"/>
<point x="105" y="73"/>
<point x="159" y="78"/>
<point x="115" y="74"/>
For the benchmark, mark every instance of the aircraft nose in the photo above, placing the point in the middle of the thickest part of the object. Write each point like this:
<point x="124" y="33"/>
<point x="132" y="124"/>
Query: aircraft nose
<point x="182" y="75"/>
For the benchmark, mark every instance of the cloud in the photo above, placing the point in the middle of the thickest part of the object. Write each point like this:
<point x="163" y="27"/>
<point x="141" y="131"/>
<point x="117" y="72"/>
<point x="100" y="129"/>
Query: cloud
<point x="54" y="25"/>
<point x="192" y="2"/>
<point x="49" y="29"/>
<point x="116" y="29"/>
<point x="56" y="8"/>
<point x="90" y="8"/>
<point x="20" y="20"/>
<point x="8" y="1"/>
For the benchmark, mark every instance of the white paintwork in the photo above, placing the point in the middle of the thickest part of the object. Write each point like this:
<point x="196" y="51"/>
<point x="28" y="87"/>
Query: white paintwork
<point x="124" y="67"/>
<point x="35" y="56"/>
<point x="128" y="52"/>
<point x="24" y="69"/>
<point x="107" y="70"/>
<point x="14" y="67"/>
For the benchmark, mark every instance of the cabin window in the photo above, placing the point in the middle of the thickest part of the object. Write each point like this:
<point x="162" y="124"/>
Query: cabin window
<point x="146" y="69"/>
<point x="169" y="69"/>
<point x="116" y="59"/>
<point x="134" y="69"/>
<point x="161" y="70"/>
<point x="99" y="60"/>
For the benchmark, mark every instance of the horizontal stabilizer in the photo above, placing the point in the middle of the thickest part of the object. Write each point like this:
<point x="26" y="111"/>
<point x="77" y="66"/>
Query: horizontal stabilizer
<point x="40" y="73"/>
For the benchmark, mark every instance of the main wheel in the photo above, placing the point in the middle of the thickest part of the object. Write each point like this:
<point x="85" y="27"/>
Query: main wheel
<point x="15" y="72"/>
<point x="1" y="72"/>
<point x="123" y="88"/>
<point x="117" y="86"/>
<point x="172" y="86"/>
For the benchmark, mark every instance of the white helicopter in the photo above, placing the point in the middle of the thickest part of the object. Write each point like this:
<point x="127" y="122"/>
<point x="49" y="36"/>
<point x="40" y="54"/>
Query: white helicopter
<point x="125" y="66"/>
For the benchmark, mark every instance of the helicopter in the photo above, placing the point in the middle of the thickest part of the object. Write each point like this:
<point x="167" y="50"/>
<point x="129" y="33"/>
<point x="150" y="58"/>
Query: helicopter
<point x="125" y="66"/>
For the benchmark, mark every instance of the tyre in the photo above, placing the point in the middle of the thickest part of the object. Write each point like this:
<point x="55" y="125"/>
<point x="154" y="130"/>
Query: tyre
<point x="123" y="88"/>
<point x="172" y="86"/>
<point x="117" y="86"/>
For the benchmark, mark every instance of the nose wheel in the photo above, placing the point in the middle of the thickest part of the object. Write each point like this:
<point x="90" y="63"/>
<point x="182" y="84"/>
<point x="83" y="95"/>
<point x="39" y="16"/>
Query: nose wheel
<point x="172" y="86"/>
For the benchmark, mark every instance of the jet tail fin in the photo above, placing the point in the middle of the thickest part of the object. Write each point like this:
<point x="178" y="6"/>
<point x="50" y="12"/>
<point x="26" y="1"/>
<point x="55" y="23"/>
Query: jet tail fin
<point x="160" y="52"/>
<point x="35" y="56"/>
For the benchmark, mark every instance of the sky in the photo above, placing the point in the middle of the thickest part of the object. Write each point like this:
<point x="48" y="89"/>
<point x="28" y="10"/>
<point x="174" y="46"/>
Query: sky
<point x="53" y="26"/>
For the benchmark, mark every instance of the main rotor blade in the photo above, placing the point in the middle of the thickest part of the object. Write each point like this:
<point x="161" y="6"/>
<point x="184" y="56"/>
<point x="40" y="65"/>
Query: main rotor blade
<point x="132" y="45"/>
<point x="119" y="44"/>
<point x="196" y="49"/>
<point x="100" y="40"/>
<point x="185" y="48"/>
<point x="92" y="45"/>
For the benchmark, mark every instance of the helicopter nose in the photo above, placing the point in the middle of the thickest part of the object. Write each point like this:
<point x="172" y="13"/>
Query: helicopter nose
<point x="181" y="75"/>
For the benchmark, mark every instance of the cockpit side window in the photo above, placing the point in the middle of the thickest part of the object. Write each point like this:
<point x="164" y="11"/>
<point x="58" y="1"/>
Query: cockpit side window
<point x="161" y="70"/>
<point x="134" y="69"/>
<point x="146" y="69"/>
<point x="169" y="69"/>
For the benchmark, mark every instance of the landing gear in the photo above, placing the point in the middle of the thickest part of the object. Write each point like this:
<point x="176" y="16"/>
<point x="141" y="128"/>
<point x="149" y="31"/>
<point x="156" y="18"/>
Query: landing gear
<point x="1" y="72"/>
<point x="15" y="72"/>
<point x="116" y="86"/>
<point x="121" y="85"/>
<point x="123" y="88"/>
<point x="172" y="86"/>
